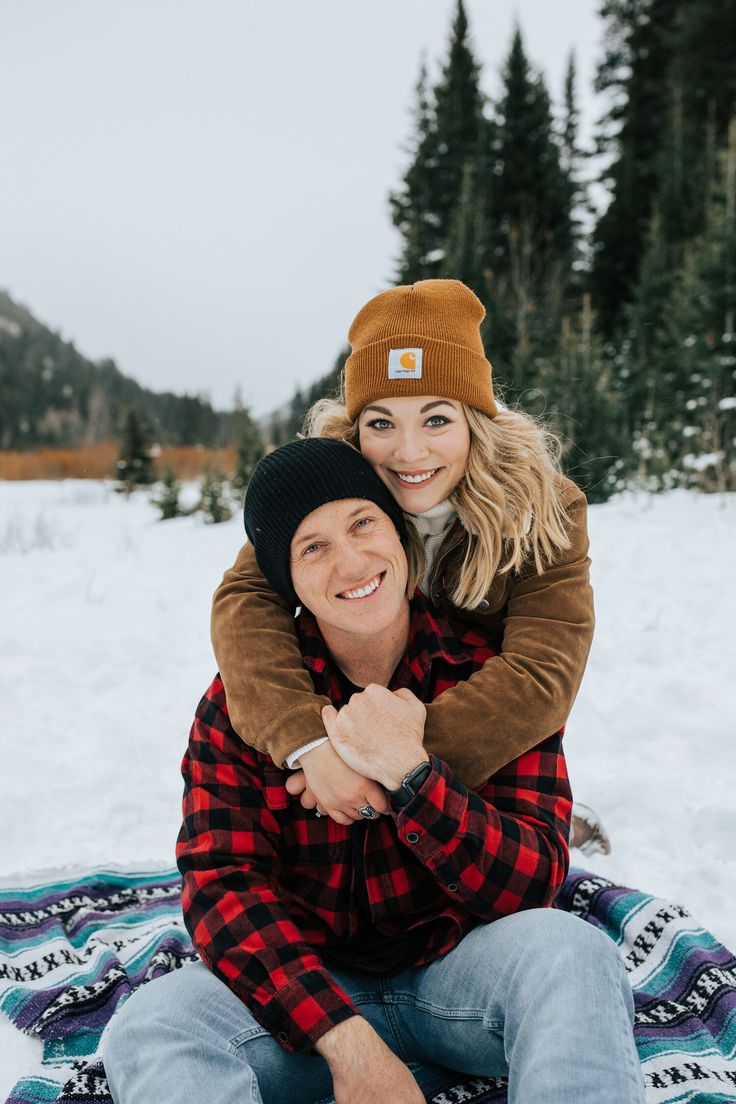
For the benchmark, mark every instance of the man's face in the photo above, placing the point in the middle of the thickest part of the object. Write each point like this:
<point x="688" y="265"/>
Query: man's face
<point x="348" y="567"/>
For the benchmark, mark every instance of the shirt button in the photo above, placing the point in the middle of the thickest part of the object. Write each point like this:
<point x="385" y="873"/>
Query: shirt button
<point x="484" y="604"/>
<point x="452" y="887"/>
<point x="412" y="837"/>
<point x="283" y="1037"/>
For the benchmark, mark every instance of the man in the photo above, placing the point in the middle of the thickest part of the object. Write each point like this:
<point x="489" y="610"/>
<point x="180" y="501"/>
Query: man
<point x="348" y="960"/>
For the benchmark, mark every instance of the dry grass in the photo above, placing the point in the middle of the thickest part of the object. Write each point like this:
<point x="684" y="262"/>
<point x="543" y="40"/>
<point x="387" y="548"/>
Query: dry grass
<point x="98" y="462"/>
<point x="189" y="463"/>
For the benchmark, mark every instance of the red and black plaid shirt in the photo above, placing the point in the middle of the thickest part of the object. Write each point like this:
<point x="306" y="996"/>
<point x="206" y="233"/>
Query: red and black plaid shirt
<point x="270" y="889"/>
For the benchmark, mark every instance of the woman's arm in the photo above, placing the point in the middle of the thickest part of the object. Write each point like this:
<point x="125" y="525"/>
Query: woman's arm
<point x="513" y="703"/>
<point x="524" y="694"/>
<point x="270" y="696"/>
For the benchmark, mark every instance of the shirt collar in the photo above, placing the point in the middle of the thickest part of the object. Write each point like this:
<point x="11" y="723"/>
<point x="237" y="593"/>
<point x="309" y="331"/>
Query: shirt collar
<point x="432" y="637"/>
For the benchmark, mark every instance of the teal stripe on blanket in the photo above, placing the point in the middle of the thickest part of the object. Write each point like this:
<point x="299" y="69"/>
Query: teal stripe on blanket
<point x="72" y="949"/>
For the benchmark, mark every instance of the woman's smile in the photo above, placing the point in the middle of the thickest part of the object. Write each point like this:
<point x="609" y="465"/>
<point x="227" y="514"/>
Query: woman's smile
<point x="415" y="478"/>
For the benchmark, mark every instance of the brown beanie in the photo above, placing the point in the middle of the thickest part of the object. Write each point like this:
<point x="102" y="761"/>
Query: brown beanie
<point x="420" y="339"/>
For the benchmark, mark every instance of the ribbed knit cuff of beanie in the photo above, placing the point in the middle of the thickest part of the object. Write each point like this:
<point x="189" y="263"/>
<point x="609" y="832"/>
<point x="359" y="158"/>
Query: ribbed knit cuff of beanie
<point x="420" y="339"/>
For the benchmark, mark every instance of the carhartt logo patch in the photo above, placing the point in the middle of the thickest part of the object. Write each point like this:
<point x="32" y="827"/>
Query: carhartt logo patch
<point x="405" y="364"/>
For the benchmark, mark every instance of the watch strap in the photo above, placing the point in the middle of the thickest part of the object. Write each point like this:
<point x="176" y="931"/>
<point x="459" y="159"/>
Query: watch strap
<point x="411" y="783"/>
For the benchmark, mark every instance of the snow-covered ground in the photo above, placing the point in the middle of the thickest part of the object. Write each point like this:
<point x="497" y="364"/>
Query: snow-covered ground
<point x="104" y="653"/>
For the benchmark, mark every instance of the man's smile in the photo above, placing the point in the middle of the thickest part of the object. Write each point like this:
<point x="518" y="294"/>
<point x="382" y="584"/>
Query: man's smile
<point x="365" y="590"/>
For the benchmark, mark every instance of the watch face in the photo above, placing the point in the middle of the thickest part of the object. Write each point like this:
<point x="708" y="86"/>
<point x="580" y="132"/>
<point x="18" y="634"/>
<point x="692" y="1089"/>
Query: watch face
<point x="415" y="779"/>
<point x="411" y="784"/>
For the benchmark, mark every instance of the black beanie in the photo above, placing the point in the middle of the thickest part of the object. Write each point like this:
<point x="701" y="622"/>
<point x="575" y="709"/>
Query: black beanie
<point x="294" y="480"/>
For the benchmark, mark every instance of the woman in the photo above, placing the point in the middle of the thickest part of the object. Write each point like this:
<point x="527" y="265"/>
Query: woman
<point x="500" y="540"/>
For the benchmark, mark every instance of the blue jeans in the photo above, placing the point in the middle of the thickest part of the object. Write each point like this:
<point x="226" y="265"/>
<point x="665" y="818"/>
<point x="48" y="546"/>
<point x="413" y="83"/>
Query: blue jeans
<point x="540" y="997"/>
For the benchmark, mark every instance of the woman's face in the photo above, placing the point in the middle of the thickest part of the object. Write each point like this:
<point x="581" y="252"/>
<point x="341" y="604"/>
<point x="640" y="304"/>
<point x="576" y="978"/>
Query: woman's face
<point x="417" y="446"/>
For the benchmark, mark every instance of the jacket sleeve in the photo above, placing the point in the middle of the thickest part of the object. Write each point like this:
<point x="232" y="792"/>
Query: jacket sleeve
<point x="270" y="695"/>
<point x="226" y="853"/>
<point x="525" y="693"/>
<point x="502" y="848"/>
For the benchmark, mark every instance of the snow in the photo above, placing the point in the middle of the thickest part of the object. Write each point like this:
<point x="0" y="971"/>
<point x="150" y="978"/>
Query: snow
<point x="104" y="653"/>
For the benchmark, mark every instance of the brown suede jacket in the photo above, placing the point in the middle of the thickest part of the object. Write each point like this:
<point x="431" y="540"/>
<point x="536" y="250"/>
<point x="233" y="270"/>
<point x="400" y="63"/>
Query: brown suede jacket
<point x="541" y="625"/>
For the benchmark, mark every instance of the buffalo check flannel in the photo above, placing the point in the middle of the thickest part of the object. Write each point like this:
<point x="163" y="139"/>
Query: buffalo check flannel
<point x="267" y="885"/>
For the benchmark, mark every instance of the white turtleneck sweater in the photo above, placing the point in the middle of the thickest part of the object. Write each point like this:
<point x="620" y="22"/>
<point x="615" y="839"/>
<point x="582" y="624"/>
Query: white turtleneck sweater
<point x="433" y="526"/>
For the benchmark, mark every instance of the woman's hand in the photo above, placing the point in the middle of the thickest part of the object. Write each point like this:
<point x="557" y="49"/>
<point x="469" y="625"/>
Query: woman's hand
<point x="327" y="783"/>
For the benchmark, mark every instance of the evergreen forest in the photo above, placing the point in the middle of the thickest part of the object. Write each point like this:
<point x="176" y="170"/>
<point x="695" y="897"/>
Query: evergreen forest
<point x="614" y="323"/>
<point x="607" y="268"/>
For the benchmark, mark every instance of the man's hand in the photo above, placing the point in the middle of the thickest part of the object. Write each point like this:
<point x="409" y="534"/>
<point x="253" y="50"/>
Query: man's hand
<point x="364" y="1070"/>
<point x="334" y="787"/>
<point x="379" y="733"/>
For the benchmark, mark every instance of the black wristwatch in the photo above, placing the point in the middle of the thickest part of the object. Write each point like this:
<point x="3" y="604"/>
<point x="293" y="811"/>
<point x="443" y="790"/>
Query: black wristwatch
<point x="411" y="784"/>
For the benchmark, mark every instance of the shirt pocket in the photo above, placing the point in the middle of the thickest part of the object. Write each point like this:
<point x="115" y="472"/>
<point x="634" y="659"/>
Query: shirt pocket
<point x="275" y="793"/>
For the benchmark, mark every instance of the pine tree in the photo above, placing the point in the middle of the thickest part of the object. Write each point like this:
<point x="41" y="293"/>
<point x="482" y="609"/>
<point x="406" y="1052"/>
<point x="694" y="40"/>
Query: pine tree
<point x="635" y="75"/>
<point x="410" y="208"/>
<point x="250" y="445"/>
<point x="699" y="357"/>
<point x="458" y="111"/>
<point x="669" y="72"/>
<point x="640" y="379"/>
<point x="135" y="467"/>
<point x="167" y="499"/>
<point x="213" y="499"/>
<point x="583" y="408"/>
<point x="276" y="434"/>
<point x="466" y="253"/>
<point x="705" y="72"/>
<point x="531" y="189"/>
<point x="529" y="231"/>
<point x="445" y="138"/>
<point x="574" y="399"/>
<point x="572" y="159"/>
<point x="570" y="152"/>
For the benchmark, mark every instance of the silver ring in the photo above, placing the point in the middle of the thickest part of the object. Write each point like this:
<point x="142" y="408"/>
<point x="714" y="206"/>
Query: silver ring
<point x="368" y="812"/>
<point x="319" y="812"/>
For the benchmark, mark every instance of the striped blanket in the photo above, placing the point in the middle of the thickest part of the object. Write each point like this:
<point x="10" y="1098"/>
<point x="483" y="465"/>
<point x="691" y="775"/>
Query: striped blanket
<point x="71" y="950"/>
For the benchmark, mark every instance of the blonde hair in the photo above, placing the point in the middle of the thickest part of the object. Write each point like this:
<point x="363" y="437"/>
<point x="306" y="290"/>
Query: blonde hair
<point x="509" y="499"/>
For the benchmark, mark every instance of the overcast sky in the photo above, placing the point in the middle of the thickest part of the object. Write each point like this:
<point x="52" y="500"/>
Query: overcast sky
<point x="199" y="190"/>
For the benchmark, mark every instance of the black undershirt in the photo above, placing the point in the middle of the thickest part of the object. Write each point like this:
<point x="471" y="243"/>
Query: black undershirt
<point x="368" y="952"/>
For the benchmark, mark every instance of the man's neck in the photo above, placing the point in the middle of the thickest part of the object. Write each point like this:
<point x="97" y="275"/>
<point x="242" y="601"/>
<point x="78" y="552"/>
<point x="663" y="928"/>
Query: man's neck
<point x="367" y="658"/>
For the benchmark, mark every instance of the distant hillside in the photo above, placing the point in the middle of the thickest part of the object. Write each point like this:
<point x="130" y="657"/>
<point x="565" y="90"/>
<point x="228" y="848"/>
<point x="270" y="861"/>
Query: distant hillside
<point x="284" y="423"/>
<point x="52" y="395"/>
